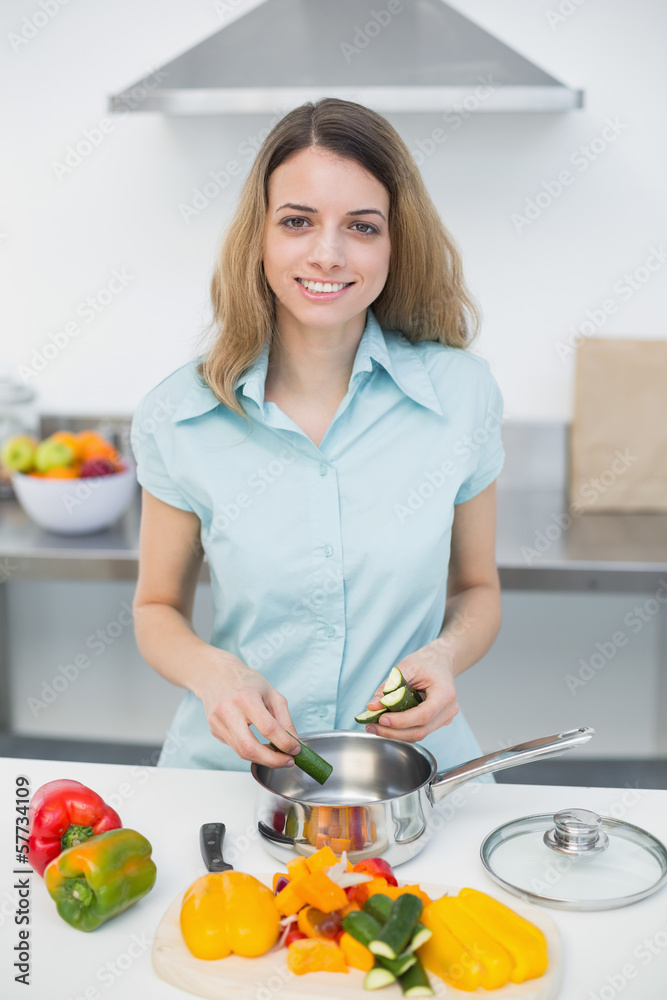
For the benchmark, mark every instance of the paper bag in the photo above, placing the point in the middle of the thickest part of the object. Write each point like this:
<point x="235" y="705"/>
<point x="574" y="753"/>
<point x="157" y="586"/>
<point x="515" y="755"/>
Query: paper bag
<point x="618" y="436"/>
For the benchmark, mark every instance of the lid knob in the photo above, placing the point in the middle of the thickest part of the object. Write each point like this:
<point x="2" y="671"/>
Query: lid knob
<point x="577" y="832"/>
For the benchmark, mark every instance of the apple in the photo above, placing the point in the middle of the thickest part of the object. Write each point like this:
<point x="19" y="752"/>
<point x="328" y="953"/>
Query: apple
<point x="52" y="453"/>
<point x="96" y="467"/>
<point x="18" y="454"/>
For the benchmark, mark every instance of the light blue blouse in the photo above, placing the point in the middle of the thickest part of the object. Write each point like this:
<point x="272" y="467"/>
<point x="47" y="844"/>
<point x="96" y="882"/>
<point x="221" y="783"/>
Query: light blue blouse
<point x="328" y="564"/>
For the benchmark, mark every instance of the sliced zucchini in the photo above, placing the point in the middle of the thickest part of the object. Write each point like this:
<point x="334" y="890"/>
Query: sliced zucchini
<point x="377" y="977"/>
<point x="365" y="718"/>
<point x="395" y="680"/>
<point x="420" y="935"/>
<point x="397" y="932"/>
<point x="401" y="699"/>
<point x="365" y="928"/>
<point x="309" y="761"/>
<point x="415" y="982"/>
<point x="379" y="906"/>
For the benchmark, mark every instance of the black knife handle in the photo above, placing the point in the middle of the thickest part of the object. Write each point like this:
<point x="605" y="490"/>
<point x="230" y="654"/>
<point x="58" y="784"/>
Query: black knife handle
<point x="211" y="836"/>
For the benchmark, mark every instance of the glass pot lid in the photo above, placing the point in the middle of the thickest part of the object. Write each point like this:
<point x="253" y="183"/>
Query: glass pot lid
<point x="575" y="860"/>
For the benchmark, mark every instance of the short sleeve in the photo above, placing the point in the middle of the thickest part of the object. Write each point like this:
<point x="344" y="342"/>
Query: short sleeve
<point x="491" y="454"/>
<point x="152" y="471"/>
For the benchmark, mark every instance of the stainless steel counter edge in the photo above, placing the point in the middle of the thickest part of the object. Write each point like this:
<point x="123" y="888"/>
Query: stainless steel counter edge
<point x="539" y="547"/>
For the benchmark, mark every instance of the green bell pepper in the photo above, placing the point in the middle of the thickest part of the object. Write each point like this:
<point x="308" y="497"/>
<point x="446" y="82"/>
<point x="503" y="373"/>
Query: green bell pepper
<point x="99" y="878"/>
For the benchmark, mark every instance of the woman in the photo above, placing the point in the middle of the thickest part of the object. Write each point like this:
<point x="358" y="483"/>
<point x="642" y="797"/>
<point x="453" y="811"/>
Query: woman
<point x="333" y="454"/>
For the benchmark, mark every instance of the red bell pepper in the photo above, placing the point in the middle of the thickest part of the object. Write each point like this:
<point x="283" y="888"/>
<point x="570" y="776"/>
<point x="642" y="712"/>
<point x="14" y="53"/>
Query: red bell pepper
<point x="378" y="868"/>
<point x="62" y="814"/>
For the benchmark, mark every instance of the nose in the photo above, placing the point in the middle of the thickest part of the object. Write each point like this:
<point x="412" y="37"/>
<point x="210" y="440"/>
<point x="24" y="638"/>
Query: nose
<point x="326" y="250"/>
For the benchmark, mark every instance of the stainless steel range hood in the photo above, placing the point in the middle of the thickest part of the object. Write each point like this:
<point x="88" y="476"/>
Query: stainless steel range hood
<point x="392" y="55"/>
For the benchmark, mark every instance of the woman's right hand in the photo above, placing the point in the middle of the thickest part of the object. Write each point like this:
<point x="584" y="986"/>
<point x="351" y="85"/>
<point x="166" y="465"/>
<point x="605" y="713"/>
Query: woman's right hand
<point x="235" y="697"/>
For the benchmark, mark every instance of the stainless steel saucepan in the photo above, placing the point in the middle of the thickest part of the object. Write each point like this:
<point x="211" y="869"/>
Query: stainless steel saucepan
<point x="380" y="800"/>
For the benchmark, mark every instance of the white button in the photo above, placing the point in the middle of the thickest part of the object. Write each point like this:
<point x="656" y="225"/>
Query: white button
<point x="330" y="632"/>
<point x="328" y="550"/>
<point x="323" y="469"/>
<point x="322" y="712"/>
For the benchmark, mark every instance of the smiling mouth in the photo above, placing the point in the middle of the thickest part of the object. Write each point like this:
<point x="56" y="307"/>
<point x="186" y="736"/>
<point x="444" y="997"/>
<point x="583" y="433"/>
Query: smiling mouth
<point x="324" y="286"/>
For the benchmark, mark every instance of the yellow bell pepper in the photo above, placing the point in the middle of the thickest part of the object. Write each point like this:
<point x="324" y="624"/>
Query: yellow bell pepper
<point x="494" y="959"/>
<point x="525" y="943"/>
<point x="228" y="912"/>
<point x="445" y="956"/>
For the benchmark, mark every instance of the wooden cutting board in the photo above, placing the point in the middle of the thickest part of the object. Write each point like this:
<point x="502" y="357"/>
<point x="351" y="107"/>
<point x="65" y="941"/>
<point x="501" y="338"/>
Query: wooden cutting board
<point x="268" y="978"/>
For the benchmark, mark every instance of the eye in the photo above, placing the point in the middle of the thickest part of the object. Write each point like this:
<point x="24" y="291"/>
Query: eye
<point x="368" y="229"/>
<point x="296" y="223"/>
<point x="284" y="222"/>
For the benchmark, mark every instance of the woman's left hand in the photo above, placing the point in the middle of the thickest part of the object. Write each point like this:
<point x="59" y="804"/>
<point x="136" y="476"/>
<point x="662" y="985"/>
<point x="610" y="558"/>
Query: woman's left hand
<point x="430" y="671"/>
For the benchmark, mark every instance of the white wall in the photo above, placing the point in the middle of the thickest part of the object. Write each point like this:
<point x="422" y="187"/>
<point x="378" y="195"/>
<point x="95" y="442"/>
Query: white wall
<point x="62" y="239"/>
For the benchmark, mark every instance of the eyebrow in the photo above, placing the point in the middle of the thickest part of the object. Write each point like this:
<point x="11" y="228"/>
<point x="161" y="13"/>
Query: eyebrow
<point x="313" y="211"/>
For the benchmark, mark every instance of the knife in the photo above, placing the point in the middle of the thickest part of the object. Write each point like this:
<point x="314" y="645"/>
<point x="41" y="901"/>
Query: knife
<point x="211" y="836"/>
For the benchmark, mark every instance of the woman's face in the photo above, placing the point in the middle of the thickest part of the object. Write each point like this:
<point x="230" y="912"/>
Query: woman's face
<point x="327" y="222"/>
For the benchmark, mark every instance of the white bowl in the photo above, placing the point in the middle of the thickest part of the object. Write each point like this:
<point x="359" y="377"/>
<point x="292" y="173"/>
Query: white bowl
<point x="76" y="506"/>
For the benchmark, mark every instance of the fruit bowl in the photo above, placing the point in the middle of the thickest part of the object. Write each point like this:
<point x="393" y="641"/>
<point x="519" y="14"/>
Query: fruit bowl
<point x="76" y="506"/>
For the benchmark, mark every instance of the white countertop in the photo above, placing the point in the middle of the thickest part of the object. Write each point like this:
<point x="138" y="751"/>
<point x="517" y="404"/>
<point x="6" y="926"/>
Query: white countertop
<point x="606" y="954"/>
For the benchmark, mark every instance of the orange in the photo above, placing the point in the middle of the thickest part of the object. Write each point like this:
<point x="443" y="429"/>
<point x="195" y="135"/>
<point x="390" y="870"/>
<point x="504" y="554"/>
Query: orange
<point x="61" y="472"/>
<point x="70" y="439"/>
<point x="93" y="445"/>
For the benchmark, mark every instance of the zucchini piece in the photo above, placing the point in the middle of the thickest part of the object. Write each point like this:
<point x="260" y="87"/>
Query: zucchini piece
<point x="395" y="680"/>
<point x="309" y="761"/>
<point x="377" y="977"/>
<point x="379" y="906"/>
<point x="365" y="718"/>
<point x="420" y="935"/>
<point x="415" y="982"/>
<point x="365" y="928"/>
<point x="398" y="930"/>
<point x="401" y="699"/>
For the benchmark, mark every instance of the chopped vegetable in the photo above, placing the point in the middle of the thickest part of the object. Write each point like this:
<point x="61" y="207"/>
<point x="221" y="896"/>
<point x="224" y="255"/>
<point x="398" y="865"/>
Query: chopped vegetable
<point x="309" y="761"/>
<point x="315" y="955"/>
<point x="396" y="933"/>
<point x="288" y="900"/>
<point x="279" y="882"/>
<point x="494" y="959"/>
<point x="380" y="906"/>
<point x="368" y="889"/>
<point x="99" y="878"/>
<point x="369" y="716"/>
<point x="401" y="699"/>
<point x="62" y="814"/>
<point x="227" y="912"/>
<point x="378" y="977"/>
<point x="395" y="891"/>
<point x="297" y="867"/>
<point x="324" y="858"/>
<point x="397" y="696"/>
<point x="355" y="953"/>
<point x="377" y="867"/>
<point x="318" y="890"/>
<point x="365" y="928"/>
<point x="315" y="923"/>
<point x="525" y="943"/>
<point x="444" y="955"/>
<point x="394" y="680"/>
<point x="415" y="982"/>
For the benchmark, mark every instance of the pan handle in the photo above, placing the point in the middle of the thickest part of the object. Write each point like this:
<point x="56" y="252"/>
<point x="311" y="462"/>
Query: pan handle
<point x="445" y="782"/>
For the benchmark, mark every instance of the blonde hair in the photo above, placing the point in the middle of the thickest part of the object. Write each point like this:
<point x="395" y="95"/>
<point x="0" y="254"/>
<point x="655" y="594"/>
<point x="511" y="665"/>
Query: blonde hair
<point x="424" y="296"/>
